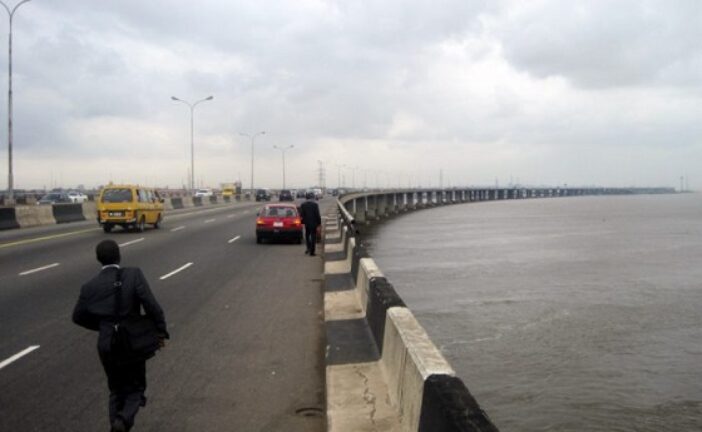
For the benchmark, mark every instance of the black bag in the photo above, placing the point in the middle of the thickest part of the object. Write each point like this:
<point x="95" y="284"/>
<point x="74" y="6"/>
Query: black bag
<point x="135" y="337"/>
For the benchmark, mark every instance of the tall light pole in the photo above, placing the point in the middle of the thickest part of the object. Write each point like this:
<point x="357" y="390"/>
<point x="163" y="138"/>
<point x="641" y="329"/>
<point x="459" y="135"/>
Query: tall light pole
<point x="192" y="135"/>
<point x="283" y="150"/>
<point x="10" y="177"/>
<point x="253" y="137"/>
<point x="339" y="167"/>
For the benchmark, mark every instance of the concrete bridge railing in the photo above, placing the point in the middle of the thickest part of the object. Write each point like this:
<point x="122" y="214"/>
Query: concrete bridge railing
<point x="383" y="371"/>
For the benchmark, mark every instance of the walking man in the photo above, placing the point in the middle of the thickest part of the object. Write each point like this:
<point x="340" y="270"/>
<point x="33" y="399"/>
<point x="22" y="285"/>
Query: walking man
<point x="95" y="310"/>
<point x="309" y="213"/>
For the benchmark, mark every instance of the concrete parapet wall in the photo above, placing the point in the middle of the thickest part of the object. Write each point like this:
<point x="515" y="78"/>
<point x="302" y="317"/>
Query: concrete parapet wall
<point x="383" y="371"/>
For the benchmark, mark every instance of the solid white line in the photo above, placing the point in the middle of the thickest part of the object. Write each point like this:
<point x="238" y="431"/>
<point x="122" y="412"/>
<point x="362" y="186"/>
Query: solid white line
<point x="234" y="239"/>
<point x="231" y="215"/>
<point x="18" y="356"/>
<point x="131" y="242"/>
<point x="210" y="220"/>
<point x="246" y="211"/>
<point x="177" y="228"/>
<point x="166" y="276"/>
<point x="25" y="273"/>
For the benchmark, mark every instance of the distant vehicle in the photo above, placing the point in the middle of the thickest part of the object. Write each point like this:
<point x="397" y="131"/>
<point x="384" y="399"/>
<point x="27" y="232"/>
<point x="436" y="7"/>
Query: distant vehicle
<point x="300" y="193"/>
<point x="77" y="197"/>
<point x="204" y="193"/>
<point x="129" y="206"/>
<point x="278" y="221"/>
<point x="263" y="195"/>
<point x="285" y="195"/>
<point x="318" y="194"/>
<point x="228" y="192"/>
<point x="55" y="198"/>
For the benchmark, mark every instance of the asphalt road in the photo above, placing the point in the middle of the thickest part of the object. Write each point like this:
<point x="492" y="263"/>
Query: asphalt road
<point x="246" y="349"/>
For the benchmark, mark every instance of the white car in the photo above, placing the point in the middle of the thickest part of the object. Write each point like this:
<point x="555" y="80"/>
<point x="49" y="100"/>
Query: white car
<point x="204" y="193"/>
<point x="77" y="197"/>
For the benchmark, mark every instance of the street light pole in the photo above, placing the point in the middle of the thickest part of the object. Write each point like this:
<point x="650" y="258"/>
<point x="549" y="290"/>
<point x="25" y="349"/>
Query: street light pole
<point x="10" y="176"/>
<point x="192" y="135"/>
<point x="283" y="150"/>
<point x="253" y="137"/>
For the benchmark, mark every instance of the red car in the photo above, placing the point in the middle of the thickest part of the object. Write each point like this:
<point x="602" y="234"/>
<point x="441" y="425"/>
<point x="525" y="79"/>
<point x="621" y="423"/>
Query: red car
<point x="279" y="221"/>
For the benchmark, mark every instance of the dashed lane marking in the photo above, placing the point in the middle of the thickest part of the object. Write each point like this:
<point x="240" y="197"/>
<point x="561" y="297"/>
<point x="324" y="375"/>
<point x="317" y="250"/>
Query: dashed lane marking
<point x="50" y="237"/>
<point x="231" y="215"/>
<point x="234" y="239"/>
<point x="46" y="267"/>
<point x="178" y="228"/>
<point x="131" y="242"/>
<point x="178" y="270"/>
<point x="210" y="220"/>
<point x="18" y="356"/>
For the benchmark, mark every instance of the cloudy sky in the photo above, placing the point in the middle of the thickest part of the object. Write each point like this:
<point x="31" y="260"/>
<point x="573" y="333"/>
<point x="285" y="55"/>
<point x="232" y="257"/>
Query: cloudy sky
<point x="605" y="92"/>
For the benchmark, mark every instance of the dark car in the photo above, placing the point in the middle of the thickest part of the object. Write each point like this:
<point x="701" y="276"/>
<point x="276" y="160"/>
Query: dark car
<point x="55" y="198"/>
<point x="263" y="195"/>
<point x="279" y="221"/>
<point x="300" y="193"/>
<point x="285" y="195"/>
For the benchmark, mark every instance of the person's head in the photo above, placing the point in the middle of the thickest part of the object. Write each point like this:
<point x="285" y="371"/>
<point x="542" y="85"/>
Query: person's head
<point x="309" y="195"/>
<point x="107" y="252"/>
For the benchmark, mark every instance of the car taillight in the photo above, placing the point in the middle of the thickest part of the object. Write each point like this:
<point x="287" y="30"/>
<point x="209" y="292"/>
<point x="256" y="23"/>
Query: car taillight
<point x="260" y="221"/>
<point x="297" y="221"/>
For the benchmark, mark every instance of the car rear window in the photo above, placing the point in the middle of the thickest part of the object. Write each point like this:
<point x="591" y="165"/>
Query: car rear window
<point x="117" y="195"/>
<point x="279" y="212"/>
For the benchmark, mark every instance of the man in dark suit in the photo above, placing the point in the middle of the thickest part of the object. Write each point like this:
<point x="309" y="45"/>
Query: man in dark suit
<point x="95" y="310"/>
<point x="309" y="213"/>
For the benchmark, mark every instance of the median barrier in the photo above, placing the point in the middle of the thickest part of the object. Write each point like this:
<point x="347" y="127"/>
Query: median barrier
<point x="176" y="203"/>
<point x="197" y="201"/>
<point x="213" y="199"/>
<point x="8" y="218"/>
<point x="188" y="202"/>
<point x="90" y="210"/>
<point x="64" y="213"/>
<point x="34" y="215"/>
<point x="227" y="199"/>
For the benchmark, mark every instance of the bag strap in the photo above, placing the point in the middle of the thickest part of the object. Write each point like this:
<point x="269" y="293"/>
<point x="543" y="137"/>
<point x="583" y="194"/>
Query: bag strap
<point x="118" y="295"/>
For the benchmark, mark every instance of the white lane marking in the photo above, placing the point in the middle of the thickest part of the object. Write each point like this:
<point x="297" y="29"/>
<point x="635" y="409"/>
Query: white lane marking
<point x="180" y="269"/>
<point x="234" y="239"/>
<point x="178" y="228"/>
<point x="210" y="220"/>
<point x="231" y="215"/>
<point x="18" y="356"/>
<point x="131" y="242"/>
<point x="246" y="211"/>
<point x="46" y="267"/>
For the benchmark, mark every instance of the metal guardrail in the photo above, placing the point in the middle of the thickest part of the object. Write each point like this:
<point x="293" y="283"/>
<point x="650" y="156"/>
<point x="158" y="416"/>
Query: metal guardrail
<point x="348" y="219"/>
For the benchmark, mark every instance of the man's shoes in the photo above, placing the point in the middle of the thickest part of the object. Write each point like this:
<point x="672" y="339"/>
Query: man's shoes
<point x="118" y="425"/>
<point x="307" y="251"/>
<point x="313" y="254"/>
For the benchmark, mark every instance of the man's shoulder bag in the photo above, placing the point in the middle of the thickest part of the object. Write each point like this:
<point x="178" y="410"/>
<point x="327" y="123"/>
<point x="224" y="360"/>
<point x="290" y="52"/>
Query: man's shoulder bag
<point x="135" y="336"/>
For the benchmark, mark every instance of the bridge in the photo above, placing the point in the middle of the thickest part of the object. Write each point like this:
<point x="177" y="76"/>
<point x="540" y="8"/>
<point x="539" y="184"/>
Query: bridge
<point x="263" y="336"/>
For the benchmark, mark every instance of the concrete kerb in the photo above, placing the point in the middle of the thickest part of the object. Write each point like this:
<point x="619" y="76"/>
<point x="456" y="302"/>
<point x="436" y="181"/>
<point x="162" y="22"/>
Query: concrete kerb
<point x="65" y="213"/>
<point x="340" y="267"/>
<point x="90" y="210"/>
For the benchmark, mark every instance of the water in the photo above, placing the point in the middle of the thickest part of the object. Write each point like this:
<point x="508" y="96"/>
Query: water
<point x="568" y="314"/>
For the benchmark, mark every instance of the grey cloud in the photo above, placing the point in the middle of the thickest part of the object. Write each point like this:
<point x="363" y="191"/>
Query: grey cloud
<point x="607" y="44"/>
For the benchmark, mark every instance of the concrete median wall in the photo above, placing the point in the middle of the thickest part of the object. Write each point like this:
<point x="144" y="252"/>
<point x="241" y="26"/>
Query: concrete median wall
<point x="25" y="216"/>
<point x="8" y="218"/>
<point x="29" y="216"/>
<point x="65" y="213"/>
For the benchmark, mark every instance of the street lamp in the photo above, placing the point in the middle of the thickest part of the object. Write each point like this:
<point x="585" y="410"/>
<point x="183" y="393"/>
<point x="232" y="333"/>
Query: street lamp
<point x="252" y="154"/>
<point x="192" y="139"/>
<point x="339" y="167"/>
<point x="283" y="150"/>
<point x="10" y="177"/>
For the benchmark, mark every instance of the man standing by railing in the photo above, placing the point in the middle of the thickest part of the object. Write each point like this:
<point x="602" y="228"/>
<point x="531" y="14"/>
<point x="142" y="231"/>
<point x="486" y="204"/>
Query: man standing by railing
<point x="309" y="213"/>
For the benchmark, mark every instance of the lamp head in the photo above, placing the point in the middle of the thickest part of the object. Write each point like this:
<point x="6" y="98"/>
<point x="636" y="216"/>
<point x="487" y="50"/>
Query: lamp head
<point x="175" y="98"/>
<point x="210" y="98"/>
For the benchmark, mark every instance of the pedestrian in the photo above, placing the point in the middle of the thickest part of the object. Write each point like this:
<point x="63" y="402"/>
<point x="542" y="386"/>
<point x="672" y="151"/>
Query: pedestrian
<point x="95" y="310"/>
<point x="311" y="219"/>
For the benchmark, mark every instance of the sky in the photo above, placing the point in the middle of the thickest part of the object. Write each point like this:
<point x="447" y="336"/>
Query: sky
<point x="387" y="92"/>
